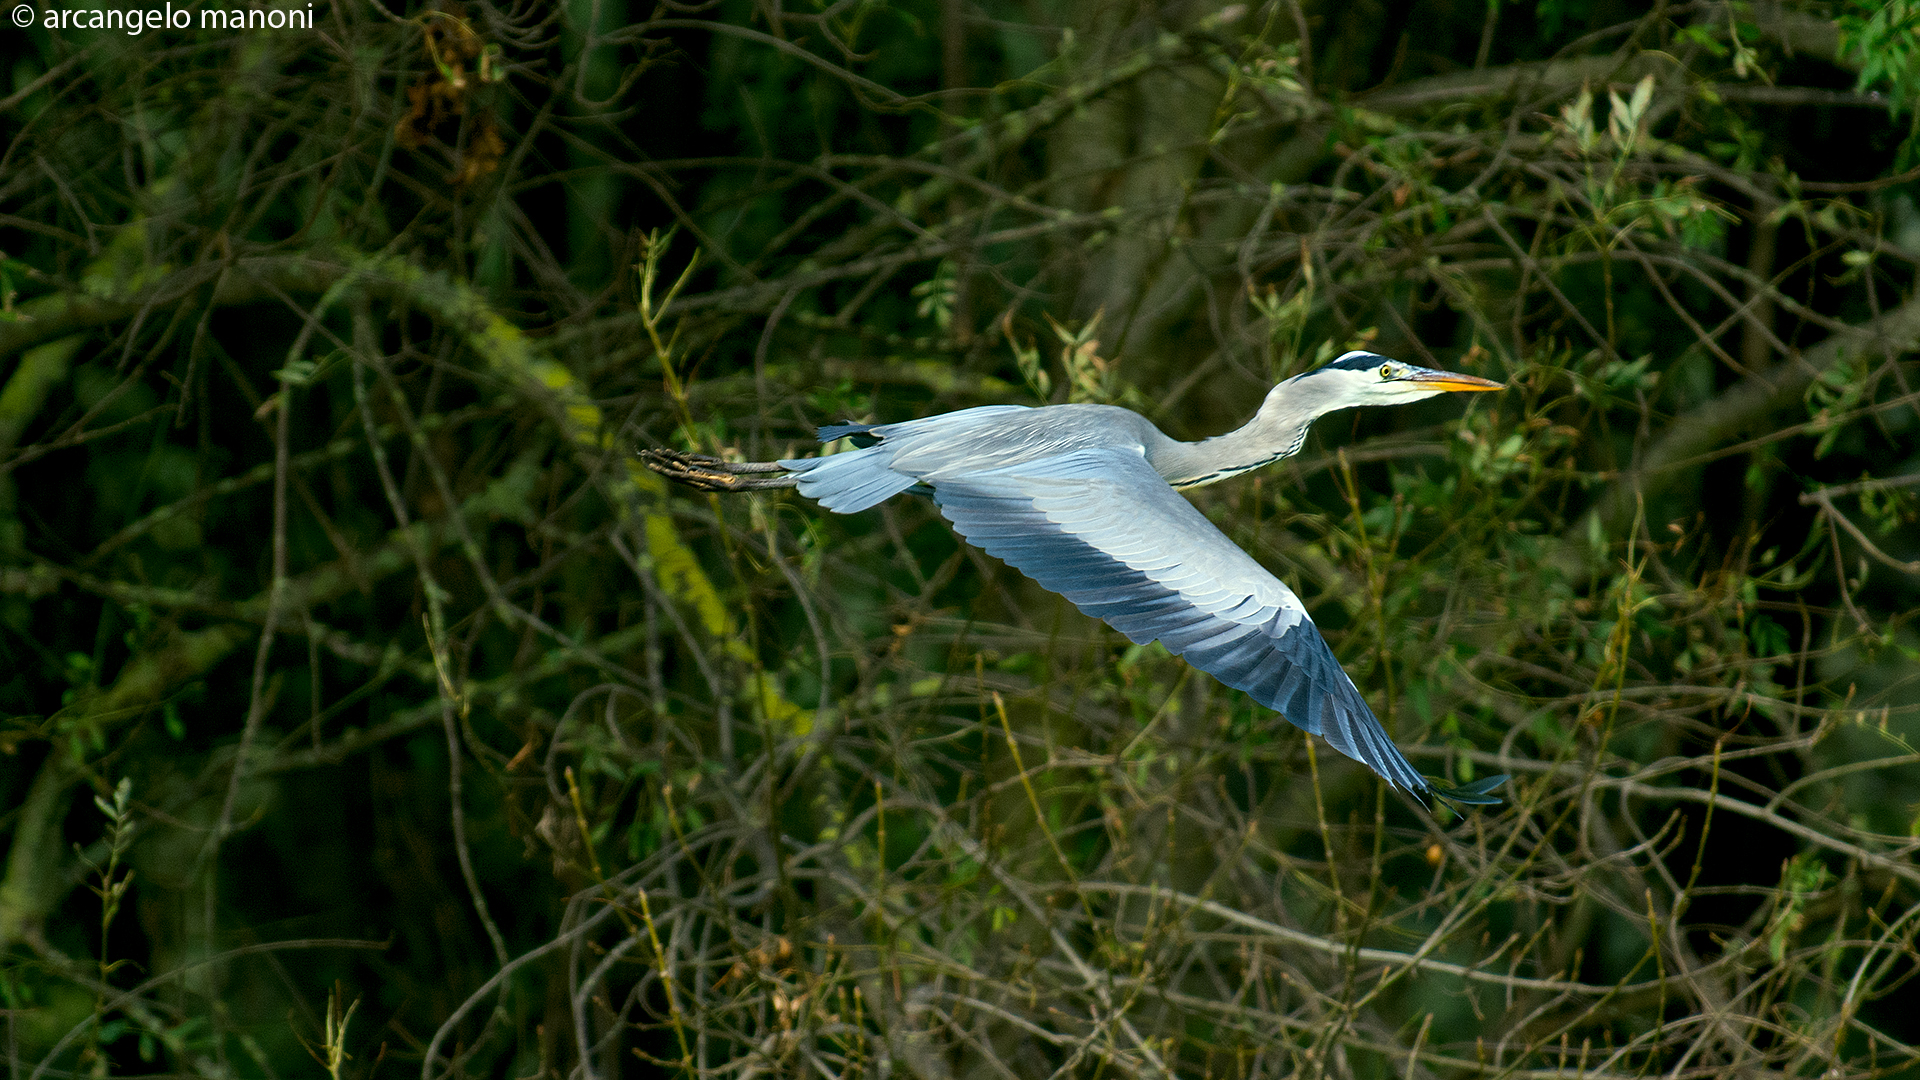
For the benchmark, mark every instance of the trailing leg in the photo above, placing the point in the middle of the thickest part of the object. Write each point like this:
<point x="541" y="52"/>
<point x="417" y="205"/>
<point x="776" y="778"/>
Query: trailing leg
<point x="712" y="474"/>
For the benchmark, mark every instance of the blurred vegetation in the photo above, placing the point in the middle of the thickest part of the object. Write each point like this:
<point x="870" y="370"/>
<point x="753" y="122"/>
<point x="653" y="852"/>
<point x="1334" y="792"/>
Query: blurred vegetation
<point x="366" y="710"/>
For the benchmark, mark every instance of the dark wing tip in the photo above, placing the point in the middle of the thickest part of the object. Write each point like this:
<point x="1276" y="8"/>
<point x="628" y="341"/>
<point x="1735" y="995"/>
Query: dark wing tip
<point x="1478" y="793"/>
<point x="857" y="432"/>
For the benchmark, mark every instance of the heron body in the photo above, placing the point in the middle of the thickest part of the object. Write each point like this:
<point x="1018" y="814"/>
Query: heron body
<point x="1084" y="499"/>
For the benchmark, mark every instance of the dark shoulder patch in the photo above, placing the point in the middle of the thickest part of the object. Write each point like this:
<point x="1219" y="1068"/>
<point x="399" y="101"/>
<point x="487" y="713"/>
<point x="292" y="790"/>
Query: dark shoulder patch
<point x="1359" y="362"/>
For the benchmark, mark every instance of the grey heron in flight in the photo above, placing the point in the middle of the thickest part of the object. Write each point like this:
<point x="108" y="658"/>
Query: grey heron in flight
<point x="1084" y="499"/>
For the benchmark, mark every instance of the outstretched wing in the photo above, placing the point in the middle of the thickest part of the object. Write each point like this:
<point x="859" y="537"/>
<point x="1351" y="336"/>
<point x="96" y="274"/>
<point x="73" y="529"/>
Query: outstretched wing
<point x="1102" y="529"/>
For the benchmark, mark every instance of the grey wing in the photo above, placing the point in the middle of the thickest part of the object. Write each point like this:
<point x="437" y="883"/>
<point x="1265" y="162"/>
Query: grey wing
<point x="1102" y="529"/>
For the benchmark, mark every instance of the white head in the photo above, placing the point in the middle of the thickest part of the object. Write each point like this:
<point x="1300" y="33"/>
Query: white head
<point x="1364" y="378"/>
<point x="1280" y="427"/>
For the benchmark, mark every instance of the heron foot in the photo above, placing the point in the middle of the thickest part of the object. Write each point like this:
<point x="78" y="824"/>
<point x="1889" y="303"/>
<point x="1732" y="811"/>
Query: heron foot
<point x="712" y="474"/>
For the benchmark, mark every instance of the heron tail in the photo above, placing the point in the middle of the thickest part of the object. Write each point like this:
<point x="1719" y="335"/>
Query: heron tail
<point x="849" y="482"/>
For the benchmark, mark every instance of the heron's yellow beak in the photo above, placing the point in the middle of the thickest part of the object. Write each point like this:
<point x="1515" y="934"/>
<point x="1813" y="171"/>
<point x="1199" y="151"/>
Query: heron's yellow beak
<point x="1448" y="380"/>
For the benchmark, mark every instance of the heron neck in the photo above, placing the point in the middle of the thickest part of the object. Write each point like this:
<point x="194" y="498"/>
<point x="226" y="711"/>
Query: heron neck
<point x="1275" y="432"/>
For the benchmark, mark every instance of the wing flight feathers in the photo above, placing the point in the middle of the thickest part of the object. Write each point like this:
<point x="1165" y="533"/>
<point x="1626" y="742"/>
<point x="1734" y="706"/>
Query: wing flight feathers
<point x="1102" y="529"/>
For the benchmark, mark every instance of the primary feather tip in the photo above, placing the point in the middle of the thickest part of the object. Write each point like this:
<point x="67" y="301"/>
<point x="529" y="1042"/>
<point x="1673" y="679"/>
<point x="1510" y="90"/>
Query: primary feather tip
<point x="1478" y="793"/>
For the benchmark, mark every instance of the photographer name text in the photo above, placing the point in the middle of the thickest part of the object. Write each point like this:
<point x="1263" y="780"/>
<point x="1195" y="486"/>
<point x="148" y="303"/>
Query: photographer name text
<point x="136" y="22"/>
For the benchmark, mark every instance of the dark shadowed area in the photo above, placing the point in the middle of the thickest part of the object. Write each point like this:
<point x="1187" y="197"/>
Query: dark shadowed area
<point x="368" y="709"/>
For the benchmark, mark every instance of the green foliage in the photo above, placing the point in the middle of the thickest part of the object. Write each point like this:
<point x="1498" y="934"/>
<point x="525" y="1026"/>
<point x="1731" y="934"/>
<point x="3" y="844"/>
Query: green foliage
<point x="1884" y="37"/>
<point x="371" y="708"/>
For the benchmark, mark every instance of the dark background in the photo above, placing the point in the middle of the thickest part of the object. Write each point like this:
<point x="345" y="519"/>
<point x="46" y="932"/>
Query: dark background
<point x="365" y="708"/>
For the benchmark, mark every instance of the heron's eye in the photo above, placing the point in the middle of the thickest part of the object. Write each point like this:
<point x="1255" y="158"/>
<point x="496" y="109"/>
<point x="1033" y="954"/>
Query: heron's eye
<point x="1386" y="371"/>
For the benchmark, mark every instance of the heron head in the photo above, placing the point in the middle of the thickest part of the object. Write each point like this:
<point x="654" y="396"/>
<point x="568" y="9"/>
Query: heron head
<point x="1364" y="378"/>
